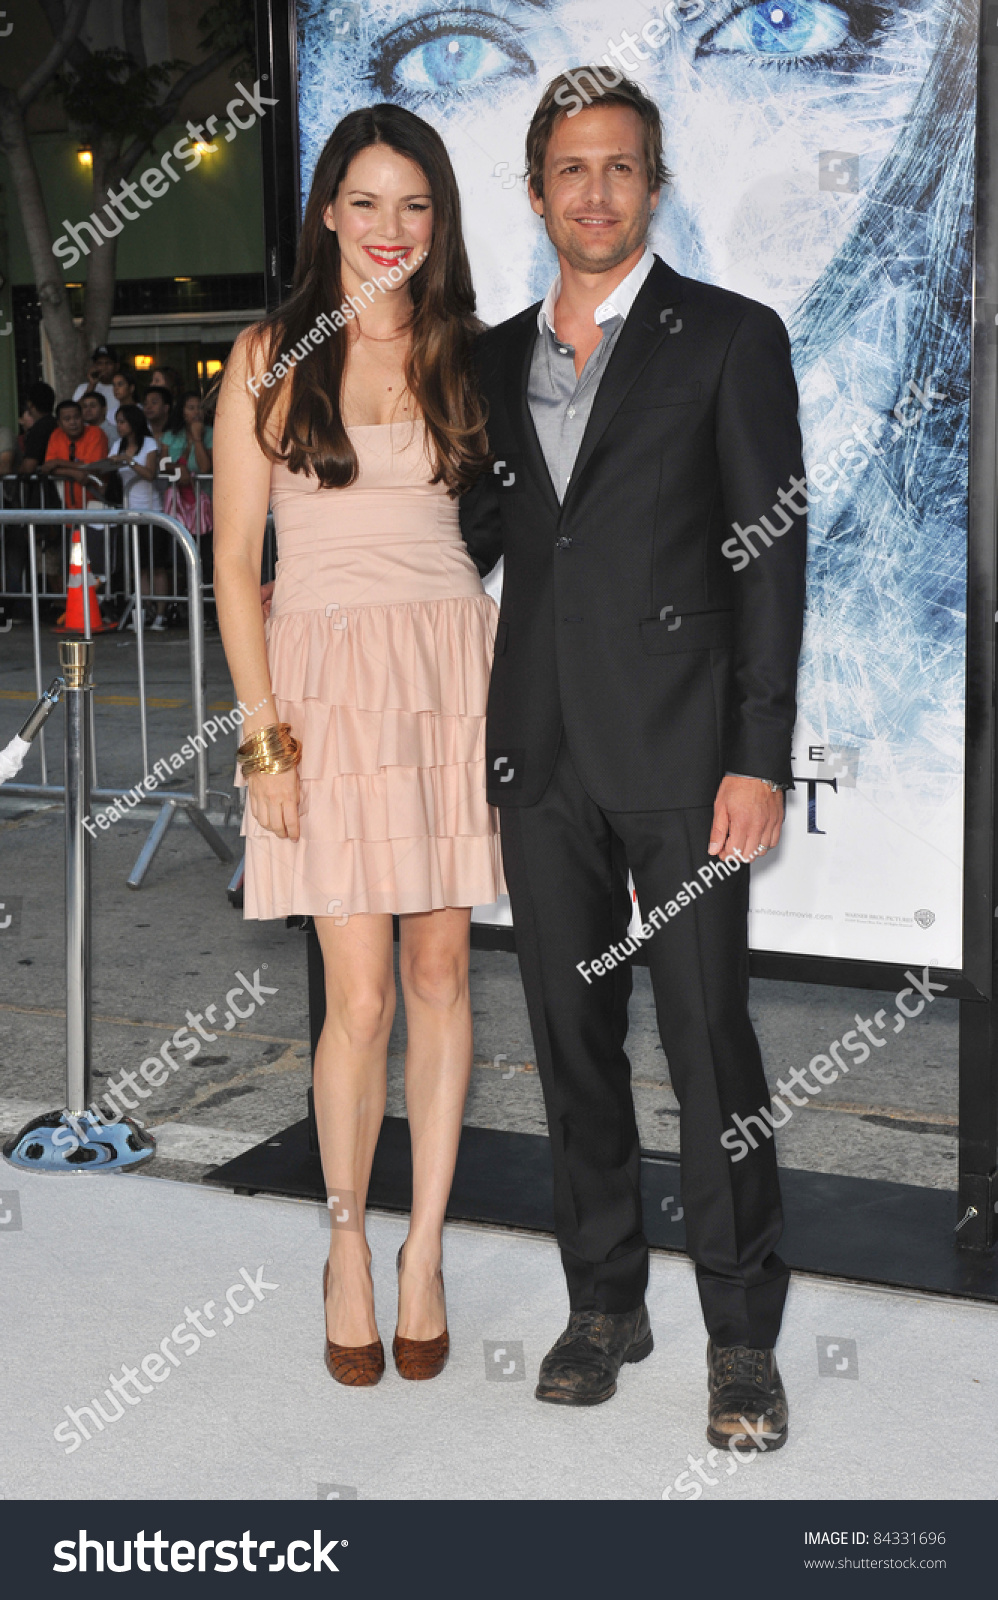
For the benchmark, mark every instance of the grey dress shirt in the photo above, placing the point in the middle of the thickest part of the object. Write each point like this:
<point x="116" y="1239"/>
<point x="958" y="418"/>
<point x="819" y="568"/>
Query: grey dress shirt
<point x="559" y="402"/>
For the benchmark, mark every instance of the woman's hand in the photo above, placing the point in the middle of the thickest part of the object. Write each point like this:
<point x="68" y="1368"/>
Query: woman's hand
<point x="274" y="801"/>
<point x="266" y="595"/>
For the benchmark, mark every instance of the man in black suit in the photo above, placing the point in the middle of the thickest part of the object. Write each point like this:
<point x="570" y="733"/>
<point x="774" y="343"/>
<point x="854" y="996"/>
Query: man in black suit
<point x="644" y="430"/>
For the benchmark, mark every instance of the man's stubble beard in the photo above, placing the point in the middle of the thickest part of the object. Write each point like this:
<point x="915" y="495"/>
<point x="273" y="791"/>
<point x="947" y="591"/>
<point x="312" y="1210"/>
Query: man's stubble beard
<point x="582" y="261"/>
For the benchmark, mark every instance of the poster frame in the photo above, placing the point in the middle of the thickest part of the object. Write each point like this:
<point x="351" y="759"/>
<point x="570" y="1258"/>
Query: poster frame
<point x="973" y="984"/>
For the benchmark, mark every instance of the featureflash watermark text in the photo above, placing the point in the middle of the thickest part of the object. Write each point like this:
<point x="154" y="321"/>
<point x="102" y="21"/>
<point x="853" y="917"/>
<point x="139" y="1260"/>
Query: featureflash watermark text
<point x="711" y="872"/>
<point x="325" y="325"/>
<point x="226" y="723"/>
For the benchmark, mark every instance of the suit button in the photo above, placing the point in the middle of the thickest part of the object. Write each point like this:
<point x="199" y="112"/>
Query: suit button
<point x="563" y="543"/>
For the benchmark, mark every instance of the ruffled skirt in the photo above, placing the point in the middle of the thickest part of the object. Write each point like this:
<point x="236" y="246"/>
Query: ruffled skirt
<point x="389" y="704"/>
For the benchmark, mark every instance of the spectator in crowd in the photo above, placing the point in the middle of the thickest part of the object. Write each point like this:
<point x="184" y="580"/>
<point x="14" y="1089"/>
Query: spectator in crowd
<point x="125" y="386"/>
<point x="190" y="439"/>
<point x="166" y="378"/>
<point x="101" y="379"/>
<point x="8" y="450"/>
<point x="42" y="424"/>
<point x="158" y="409"/>
<point x="39" y="424"/>
<point x="94" y="408"/>
<point x="14" y="540"/>
<point x="72" y="449"/>
<point x="189" y="445"/>
<point x="136" y="457"/>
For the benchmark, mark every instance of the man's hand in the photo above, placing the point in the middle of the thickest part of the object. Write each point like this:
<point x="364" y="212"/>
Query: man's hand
<point x="748" y="817"/>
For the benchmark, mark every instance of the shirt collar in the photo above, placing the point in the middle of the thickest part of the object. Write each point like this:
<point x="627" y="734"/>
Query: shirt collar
<point x="617" y="304"/>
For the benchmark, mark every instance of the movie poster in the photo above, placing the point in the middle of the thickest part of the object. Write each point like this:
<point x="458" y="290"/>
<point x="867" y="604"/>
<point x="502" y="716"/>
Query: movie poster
<point x="823" y="162"/>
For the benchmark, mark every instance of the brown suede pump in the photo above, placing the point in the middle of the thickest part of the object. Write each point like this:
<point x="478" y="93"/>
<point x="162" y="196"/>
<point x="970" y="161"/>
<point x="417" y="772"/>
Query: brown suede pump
<point x="357" y="1366"/>
<point x="419" y="1358"/>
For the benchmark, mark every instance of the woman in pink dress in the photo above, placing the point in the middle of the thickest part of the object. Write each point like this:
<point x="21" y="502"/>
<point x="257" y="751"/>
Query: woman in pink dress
<point x="365" y="754"/>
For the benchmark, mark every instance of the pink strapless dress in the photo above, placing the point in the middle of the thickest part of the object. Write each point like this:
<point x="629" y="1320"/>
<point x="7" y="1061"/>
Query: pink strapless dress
<point x="380" y="641"/>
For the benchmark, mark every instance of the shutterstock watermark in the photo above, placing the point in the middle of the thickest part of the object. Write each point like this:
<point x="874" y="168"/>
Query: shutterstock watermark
<point x="325" y="325"/>
<point x="691" y="1489"/>
<point x="710" y="873"/>
<point x="654" y="33"/>
<point x="191" y="149"/>
<point x="186" y="1555"/>
<point x="159" y="1364"/>
<point x="829" y="475"/>
<point x="155" y="1070"/>
<point x="738" y="1139"/>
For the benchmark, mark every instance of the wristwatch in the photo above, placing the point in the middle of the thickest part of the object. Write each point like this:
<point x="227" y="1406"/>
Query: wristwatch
<point x="777" y="788"/>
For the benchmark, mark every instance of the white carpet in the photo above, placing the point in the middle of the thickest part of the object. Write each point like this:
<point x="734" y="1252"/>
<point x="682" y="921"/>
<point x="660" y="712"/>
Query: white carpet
<point x="102" y="1269"/>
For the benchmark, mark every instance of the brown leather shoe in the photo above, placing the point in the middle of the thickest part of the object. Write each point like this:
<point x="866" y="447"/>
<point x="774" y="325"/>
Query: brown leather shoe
<point x="582" y="1366"/>
<point x="357" y="1366"/>
<point x="419" y="1358"/>
<point x="747" y="1403"/>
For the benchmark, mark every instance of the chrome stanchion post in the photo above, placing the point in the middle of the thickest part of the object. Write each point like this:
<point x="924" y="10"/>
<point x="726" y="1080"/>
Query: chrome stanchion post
<point x="76" y="657"/>
<point x="77" y="1139"/>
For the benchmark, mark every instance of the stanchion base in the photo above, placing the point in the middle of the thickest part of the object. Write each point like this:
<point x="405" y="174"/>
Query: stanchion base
<point x="63" y="1144"/>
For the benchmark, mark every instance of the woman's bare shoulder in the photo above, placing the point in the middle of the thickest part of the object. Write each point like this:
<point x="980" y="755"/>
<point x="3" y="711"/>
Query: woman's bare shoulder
<point x="241" y="383"/>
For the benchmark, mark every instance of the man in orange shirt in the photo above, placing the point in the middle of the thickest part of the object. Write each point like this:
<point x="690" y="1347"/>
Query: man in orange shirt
<point x="72" y="446"/>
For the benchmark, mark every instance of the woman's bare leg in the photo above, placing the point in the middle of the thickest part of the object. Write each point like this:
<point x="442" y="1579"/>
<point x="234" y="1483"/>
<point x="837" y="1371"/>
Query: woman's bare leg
<point x="434" y="968"/>
<point x="350" y="1088"/>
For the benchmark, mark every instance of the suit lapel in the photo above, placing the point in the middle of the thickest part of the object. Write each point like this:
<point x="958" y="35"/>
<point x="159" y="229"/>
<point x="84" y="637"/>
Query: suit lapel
<point x="649" y="323"/>
<point x="519" y="353"/>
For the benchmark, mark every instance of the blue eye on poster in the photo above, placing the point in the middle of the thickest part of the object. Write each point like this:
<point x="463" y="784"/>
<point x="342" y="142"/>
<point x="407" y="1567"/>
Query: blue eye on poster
<point x="823" y="161"/>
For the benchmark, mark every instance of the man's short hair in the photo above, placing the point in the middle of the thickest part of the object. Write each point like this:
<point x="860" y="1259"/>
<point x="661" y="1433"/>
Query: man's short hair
<point x="161" y="390"/>
<point x="574" y="89"/>
<point x="94" y="394"/>
<point x="68" y="405"/>
<point x="42" y="397"/>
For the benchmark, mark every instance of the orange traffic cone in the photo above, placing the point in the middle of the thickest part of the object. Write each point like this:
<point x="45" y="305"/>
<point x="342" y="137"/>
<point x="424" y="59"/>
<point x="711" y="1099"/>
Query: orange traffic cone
<point x="71" y="620"/>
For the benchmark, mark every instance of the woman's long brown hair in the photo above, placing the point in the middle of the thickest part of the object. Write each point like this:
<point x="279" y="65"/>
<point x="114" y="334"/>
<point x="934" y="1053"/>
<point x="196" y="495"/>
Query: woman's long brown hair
<point x="438" y="367"/>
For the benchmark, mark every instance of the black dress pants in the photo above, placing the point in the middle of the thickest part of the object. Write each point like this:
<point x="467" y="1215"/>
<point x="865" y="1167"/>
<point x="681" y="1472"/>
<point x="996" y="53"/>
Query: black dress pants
<point x="566" y="864"/>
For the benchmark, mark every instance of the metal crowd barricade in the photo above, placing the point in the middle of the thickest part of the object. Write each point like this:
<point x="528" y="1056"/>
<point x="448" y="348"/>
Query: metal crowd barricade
<point x="193" y="802"/>
<point x="17" y="492"/>
<point x="53" y="572"/>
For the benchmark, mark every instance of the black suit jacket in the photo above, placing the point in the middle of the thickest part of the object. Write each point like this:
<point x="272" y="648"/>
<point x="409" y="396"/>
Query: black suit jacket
<point x="622" y="619"/>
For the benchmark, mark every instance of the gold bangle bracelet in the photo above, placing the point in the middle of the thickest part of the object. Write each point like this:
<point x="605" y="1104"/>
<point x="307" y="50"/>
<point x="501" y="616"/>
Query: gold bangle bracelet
<point x="269" y="751"/>
<point x="269" y="769"/>
<point x="272" y="738"/>
<point x="279" y="762"/>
